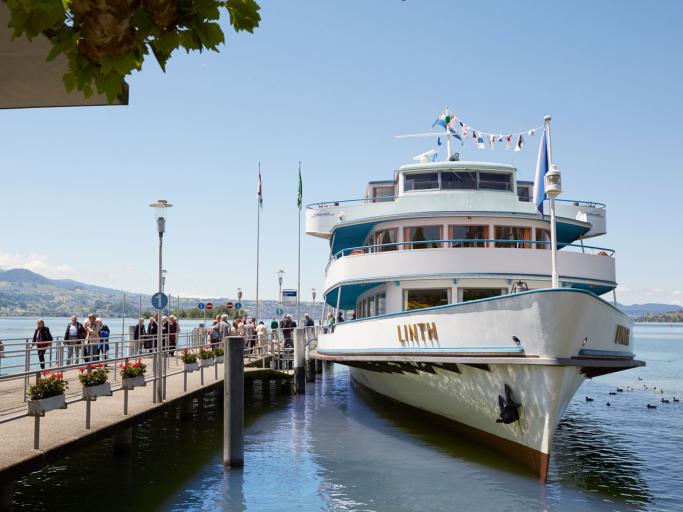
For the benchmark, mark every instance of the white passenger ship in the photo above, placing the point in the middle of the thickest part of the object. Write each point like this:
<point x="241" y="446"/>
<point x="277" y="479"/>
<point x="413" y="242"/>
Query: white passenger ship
<point x="444" y="277"/>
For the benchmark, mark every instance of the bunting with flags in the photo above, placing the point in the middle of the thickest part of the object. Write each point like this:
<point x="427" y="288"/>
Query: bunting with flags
<point x="259" y="189"/>
<point x="542" y="168"/>
<point x="300" y="194"/>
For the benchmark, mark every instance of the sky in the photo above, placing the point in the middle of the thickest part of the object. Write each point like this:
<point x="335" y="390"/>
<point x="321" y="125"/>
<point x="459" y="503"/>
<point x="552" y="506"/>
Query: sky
<point x="330" y="84"/>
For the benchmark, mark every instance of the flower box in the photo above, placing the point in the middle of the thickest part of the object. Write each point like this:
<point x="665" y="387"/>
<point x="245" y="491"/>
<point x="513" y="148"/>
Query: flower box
<point x="220" y="359"/>
<point x="191" y="367"/>
<point x="92" y="392"/>
<point x="133" y="382"/>
<point x="40" y="407"/>
<point x="206" y="362"/>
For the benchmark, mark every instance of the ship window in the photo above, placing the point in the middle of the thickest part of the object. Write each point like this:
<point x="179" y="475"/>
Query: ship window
<point x="371" y="305"/>
<point x="418" y="299"/>
<point x="467" y="294"/>
<point x="458" y="180"/>
<point x="543" y="235"/>
<point x="524" y="193"/>
<point x="386" y="236"/>
<point x="381" y="303"/>
<point x="380" y="194"/>
<point x="513" y="233"/>
<point x="421" y="181"/>
<point x="468" y="233"/>
<point x="495" y="181"/>
<point x="422" y="234"/>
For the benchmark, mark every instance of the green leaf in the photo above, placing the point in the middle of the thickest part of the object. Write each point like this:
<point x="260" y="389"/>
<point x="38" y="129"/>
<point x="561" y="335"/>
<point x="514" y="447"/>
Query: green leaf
<point x="244" y="14"/>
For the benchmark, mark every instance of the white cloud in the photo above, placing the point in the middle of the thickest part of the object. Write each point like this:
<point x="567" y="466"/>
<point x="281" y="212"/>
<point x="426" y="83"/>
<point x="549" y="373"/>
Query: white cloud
<point x="627" y="295"/>
<point x="36" y="263"/>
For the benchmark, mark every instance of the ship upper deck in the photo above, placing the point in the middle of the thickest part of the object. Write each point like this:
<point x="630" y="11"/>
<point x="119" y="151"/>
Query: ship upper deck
<point x="454" y="189"/>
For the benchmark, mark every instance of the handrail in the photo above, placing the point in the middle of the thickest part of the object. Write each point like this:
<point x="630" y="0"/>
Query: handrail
<point x="365" y="200"/>
<point x="366" y="249"/>
<point x="592" y="204"/>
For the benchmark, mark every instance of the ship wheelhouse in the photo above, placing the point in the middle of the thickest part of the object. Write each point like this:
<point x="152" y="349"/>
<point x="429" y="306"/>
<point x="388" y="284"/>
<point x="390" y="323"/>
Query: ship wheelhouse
<point x="447" y="232"/>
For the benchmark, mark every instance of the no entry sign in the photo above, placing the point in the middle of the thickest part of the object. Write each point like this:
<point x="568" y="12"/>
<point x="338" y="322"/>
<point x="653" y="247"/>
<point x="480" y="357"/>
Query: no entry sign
<point x="209" y="306"/>
<point x="229" y="305"/>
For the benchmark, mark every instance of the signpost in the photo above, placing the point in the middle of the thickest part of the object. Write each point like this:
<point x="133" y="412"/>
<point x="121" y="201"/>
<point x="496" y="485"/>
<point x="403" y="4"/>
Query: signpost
<point x="279" y="311"/>
<point x="159" y="300"/>
<point x="288" y="296"/>
<point x="209" y="306"/>
<point x="229" y="305"/>
<point x="202" y="308"/>
<point x="200" y="305"/>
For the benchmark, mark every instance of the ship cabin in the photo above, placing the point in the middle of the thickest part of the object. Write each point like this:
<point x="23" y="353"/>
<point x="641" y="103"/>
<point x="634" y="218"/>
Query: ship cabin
<point x="446" y="232"/>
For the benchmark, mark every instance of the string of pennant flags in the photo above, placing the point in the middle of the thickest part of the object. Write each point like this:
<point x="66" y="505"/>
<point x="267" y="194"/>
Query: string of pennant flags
<point x="460" y="130"/>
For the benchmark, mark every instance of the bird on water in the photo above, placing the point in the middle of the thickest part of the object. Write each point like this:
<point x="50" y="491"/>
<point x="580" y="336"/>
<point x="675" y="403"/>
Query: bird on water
<point x="589" y="399"/>
<point x="649" y="406"/>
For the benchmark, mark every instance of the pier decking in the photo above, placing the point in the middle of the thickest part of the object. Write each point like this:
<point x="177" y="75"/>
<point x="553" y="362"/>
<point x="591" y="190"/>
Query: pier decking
<point x="64" y="430"/>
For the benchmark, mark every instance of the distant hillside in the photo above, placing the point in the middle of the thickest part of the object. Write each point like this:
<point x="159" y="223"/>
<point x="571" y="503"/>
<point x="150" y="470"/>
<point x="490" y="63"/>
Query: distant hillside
<point x="25" y="293"/>
<point x="641" y="310"/>
<point x="670" y="317"/>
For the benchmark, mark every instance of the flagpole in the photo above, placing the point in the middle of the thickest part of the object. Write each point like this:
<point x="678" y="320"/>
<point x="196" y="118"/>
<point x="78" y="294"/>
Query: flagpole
<point x="258" y="237"/>
<point x="298" y="277"/>
<point x="553" y="227"/>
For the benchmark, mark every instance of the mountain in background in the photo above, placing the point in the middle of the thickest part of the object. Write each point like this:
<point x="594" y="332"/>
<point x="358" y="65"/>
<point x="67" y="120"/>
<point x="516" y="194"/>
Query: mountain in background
<point x="25" y="293"/>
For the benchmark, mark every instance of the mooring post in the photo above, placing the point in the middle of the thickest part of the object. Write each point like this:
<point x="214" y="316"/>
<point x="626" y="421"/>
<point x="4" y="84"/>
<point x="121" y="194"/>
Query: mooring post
<point x="299" y="360"/>
<point x="233" y="402"/>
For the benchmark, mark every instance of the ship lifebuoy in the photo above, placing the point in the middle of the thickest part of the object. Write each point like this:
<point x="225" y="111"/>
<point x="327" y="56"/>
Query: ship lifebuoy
<point x="603" y="253"/>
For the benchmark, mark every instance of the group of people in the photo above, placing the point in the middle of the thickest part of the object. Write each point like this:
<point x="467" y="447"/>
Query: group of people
<point x="90" y="338"/>
<point x="251" y="331"/>
<point x="145" y="338"/>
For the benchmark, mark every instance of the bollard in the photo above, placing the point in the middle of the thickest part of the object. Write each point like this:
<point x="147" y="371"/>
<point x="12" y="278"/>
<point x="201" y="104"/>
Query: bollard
<point x="299" y="360"/>
<point x="233" y="402"/>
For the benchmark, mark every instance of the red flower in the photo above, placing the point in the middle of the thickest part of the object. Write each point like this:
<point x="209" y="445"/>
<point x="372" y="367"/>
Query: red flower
<point x="100" y="365"/>
<point x="80" y="370"/>
<point x="91" y="366"/>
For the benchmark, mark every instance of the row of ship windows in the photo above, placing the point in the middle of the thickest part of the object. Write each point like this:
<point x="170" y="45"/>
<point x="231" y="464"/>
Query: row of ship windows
<point x="457" y="180"/>
<point x="422" y="237"/>
<point x="422" y="298"/>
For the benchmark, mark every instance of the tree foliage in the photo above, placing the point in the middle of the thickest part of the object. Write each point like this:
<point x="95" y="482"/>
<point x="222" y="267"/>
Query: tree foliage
<point x="106" y="40"/>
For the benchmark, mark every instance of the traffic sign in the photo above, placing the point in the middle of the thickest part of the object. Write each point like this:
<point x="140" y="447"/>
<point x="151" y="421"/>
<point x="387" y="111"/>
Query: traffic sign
<point x="229" y="305"/>
<point x="159" y="300"/>
<point x="279" y="311"/>
<point x="238" y="305"/>
<point x="200" y="305"/>
<point x="209" y="306"/>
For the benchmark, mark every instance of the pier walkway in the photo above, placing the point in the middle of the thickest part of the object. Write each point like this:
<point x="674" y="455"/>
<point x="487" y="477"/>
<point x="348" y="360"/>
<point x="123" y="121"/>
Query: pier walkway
<point x="64" y="430"/>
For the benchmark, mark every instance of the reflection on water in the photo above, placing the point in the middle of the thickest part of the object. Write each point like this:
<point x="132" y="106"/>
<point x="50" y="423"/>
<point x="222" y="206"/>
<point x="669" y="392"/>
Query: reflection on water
<point x="337" y="449"/>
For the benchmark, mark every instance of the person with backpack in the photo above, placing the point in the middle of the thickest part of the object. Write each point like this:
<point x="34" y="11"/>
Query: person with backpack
<point x="42" y="339"/>
<point x="103" y="345"/>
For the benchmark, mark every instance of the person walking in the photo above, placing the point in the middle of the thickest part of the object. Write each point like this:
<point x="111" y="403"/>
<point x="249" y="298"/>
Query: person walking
<point x="173" y="329"/>
<point x="139" y="336"/>
<point x="287" y="327"/>
<point x="92" y="337"/>
<point x="250" y="333"/>
<point x="103" y="345"/>
<point x="41" y="340"/>
<point x="152" y="331"/>
<point x="73" y="339"/>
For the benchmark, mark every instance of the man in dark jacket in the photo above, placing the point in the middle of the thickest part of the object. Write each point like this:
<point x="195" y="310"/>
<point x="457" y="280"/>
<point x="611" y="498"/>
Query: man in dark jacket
<point x="42" y="339"/>
<point x="73" y="339"/>
<point x="287" y="327"/>
<point x="138" y="336"/>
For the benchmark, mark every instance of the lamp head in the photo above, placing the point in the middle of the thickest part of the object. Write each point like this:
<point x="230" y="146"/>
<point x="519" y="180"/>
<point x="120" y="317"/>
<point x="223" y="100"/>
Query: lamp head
<point x="553" y="182"/>
<point x="160" y="208"/>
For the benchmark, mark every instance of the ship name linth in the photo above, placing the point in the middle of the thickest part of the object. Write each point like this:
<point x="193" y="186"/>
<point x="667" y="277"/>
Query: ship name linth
<point x="415" y="333"/>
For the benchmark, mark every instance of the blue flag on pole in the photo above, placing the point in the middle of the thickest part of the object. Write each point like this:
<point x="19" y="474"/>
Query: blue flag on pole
<point x="542" y="169"/>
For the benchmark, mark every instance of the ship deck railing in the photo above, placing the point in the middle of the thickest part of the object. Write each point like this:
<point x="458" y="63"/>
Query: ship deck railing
<point x="467" y="243"/>
<point x="369" y="200"/>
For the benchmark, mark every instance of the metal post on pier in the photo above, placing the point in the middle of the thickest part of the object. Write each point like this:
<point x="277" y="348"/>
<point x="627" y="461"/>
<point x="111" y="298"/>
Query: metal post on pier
<point x="299" y="360"/>
<point x="233" y="402"/>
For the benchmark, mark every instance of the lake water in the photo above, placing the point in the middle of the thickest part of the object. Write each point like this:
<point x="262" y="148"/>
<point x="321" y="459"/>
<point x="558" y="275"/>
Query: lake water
<point x="337" y="449"/>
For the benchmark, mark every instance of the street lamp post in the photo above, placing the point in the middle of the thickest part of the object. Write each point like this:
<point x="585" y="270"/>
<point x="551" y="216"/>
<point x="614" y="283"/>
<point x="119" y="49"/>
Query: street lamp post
<point x="160" y="208"/>
<point x="280" y="276"/>
<point x="553" y="188"/>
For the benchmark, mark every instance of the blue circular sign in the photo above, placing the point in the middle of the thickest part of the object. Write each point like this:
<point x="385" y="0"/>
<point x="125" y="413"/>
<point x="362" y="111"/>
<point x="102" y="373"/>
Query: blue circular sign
<point x="238" y="305"/>
<point x="200" y="305"/>
<point x="159" y="300"/>
<point x="279" y="311"/>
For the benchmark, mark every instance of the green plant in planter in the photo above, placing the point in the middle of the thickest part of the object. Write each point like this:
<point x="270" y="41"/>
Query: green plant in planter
<point x="94" y="375"/>
<point x="188" y="357"/>
<point x="218" y="351"/>
<point x="205" y="354"/>
<point x="106" y="40"/>
<point x="48" y="384"/>
<point x="132" y="369"/>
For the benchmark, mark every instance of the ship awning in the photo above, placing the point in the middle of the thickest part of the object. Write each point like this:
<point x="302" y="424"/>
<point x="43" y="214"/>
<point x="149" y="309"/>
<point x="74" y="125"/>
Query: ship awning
<point x="28" y="80"/>
<point x="349" y="294"/>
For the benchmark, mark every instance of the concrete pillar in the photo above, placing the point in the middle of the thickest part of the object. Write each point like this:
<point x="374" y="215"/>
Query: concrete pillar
<point x="299" y="360"/>
<point x="123" y="441"/>
<point x="187" y="409"/>
<point x="233" y="402"/>
<point x="6" y="489"/>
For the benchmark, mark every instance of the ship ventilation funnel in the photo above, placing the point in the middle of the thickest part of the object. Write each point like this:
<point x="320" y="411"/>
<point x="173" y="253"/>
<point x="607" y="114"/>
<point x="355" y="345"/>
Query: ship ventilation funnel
<point x="509" y="409"/>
